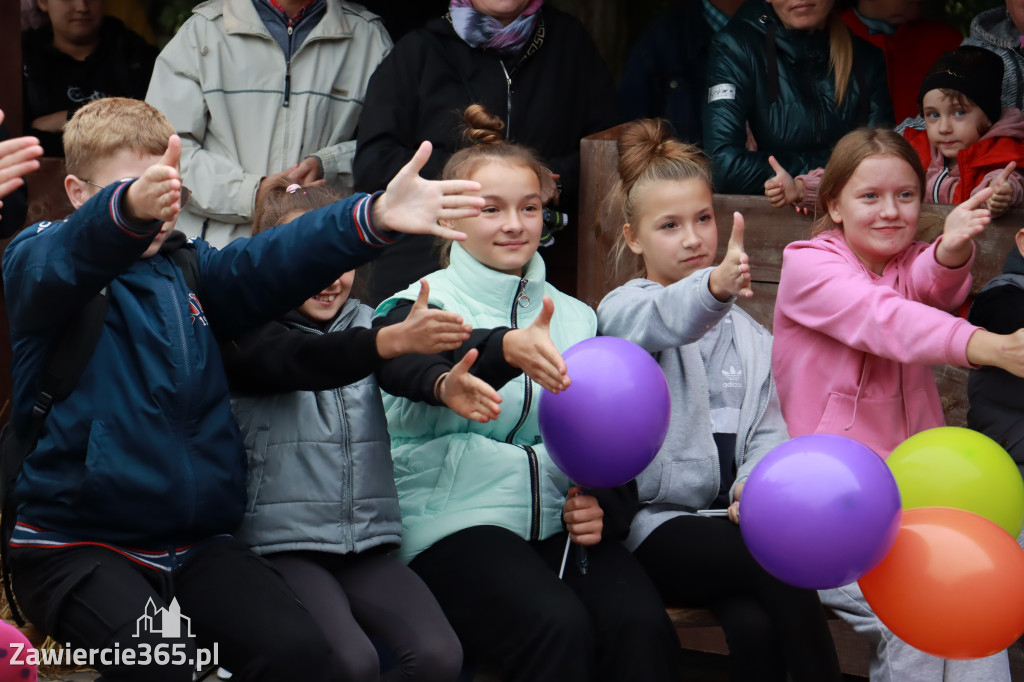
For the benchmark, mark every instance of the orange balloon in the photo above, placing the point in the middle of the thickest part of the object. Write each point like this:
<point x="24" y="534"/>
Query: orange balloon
<point x="952" y="585"/>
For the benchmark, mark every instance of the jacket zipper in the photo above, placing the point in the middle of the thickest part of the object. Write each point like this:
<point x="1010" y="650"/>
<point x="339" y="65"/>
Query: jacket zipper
<point x="187" y="367"/>
<point x="508" y="101"/>
<point x="531" y="454"/>
<point x="938" y="182"/>
<point x="707" y="402"/>
<point x="288" y="71"/>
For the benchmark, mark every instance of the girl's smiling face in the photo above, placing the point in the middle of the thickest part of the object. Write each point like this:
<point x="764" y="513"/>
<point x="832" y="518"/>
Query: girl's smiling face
<point x="878" y="209"/>
<point x="325" y="305"/>
<point x="507" y="232"/>
<point x="674" y="229"/>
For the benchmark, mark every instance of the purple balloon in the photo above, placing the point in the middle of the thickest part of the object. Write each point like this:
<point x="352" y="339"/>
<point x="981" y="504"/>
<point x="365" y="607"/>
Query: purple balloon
<point x="610" y="423"/>
<point x="820" y="511"/>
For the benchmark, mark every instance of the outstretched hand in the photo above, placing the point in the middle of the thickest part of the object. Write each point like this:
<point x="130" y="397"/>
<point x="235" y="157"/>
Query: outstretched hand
<point x="782" y="189"/>
<point x="1002" y="191"/>
<point x="18" y="158"/>
<point x="414" y="205"/>
<point x="532" y="350"/>
<point x="466" y="395"/>
<point x="963" y="224"/>
<point x="1005" y="351"/>
<point x="732" y="276"/>
<point x="426" y="330"/>
<point x="156" y="195"/>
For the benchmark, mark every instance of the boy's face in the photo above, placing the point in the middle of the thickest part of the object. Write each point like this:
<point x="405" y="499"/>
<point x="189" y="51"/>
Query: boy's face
<point x="122" y="165"/>
<point x="75" y="21"/>
<point x="952" y="126"/>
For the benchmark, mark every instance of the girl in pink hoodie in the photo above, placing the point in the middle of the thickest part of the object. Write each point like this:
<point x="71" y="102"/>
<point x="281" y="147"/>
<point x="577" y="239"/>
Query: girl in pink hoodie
<point x="861" y="308"/>
<point x="860" y="317"/>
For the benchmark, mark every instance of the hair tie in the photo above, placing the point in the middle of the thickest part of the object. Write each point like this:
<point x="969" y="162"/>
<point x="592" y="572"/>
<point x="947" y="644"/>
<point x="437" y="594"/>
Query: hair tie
<point x="292" y="188"/>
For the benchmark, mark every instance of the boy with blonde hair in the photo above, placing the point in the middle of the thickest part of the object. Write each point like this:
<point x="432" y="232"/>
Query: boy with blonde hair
<point x="127" y="502"/>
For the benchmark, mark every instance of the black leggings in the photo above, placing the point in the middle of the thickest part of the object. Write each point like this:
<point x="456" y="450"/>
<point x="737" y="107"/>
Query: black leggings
<point x="772" y="628"/>
<point x="94" y="598"/>
<point x="355" y="597"/>
<point x="503" y="596"/>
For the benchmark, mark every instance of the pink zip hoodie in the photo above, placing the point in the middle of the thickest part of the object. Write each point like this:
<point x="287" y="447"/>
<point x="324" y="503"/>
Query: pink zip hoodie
<point x="853" y="349"/>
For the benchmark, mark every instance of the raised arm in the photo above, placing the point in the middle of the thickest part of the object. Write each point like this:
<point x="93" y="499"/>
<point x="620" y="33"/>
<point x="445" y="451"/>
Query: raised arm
<point x="821" y="290"/>
<point x="656" y="317"/>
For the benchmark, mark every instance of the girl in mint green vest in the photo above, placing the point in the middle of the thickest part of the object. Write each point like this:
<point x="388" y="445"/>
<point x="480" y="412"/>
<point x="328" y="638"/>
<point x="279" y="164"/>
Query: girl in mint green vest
<point x="485" y="512"/>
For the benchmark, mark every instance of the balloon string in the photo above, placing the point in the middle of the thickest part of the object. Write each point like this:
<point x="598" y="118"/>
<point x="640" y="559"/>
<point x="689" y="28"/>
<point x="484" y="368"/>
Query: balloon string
<point x="565" y="555"/>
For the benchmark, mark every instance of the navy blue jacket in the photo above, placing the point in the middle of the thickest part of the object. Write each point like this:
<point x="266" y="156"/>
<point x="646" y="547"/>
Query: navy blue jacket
<point x="145" y="452"/>
<point x="666" y="75"/>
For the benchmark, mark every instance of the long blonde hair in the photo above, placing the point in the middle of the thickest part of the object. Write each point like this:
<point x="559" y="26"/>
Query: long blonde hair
<point x="648" y="153"/>
<point x="840" y="55"/>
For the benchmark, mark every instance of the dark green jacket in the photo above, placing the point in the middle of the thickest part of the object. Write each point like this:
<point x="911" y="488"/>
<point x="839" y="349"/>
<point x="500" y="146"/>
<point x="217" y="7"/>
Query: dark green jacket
<point x="788" y="98"/>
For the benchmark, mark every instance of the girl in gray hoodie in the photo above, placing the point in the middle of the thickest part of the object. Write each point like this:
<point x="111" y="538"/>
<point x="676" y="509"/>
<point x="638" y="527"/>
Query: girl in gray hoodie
<point x="725" y="412"/>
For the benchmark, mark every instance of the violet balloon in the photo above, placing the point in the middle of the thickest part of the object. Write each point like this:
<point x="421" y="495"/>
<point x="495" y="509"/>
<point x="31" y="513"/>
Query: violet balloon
<point x="820" y="511"/>
<point x="610" y="423"/>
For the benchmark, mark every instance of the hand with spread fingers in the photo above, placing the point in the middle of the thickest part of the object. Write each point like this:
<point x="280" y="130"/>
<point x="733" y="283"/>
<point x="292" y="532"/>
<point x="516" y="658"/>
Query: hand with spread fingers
<point x="18" y="157"/>
<point x="414" y="205"/>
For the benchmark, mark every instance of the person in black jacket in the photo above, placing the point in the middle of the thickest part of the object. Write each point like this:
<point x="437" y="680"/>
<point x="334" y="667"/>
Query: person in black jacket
<point x="80" y="57"/>
<point x="666" y="74"/>
<point x="548" y="85"/>
<point x="996" y="396"/>
<point x="787" y="78"/>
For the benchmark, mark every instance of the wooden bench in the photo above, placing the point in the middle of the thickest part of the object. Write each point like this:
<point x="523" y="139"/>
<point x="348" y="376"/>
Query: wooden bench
<point x="768" y="231"/>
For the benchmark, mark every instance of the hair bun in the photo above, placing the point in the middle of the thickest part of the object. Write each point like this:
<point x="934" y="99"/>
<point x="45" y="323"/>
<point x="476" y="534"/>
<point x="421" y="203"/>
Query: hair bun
<point x="482" y="127"/>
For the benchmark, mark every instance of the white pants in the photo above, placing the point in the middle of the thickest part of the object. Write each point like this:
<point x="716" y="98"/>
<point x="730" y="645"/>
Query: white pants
<point x="897" y="661"/>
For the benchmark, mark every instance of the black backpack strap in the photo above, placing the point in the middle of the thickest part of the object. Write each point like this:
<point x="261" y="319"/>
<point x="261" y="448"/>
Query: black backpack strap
<point x="187" y="260"/>
<point x="179" y="249"/>
<point x="70" y="356"/>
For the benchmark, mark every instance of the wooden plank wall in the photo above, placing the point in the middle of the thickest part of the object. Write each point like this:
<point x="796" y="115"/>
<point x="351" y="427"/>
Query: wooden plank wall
<point x="768" y="231"/>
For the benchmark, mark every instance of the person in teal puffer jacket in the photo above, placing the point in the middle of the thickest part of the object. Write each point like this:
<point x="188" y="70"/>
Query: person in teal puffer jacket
<point x="787" y="78"/>
<point x="483" y="505"/>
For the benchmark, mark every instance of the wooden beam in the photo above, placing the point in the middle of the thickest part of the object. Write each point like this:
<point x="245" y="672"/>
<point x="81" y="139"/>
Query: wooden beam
<point x="10" y="64"/>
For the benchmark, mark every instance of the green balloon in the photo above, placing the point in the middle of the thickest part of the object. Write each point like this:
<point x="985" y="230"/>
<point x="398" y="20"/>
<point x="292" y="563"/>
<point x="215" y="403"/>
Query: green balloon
<point x="954" y="467"/>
